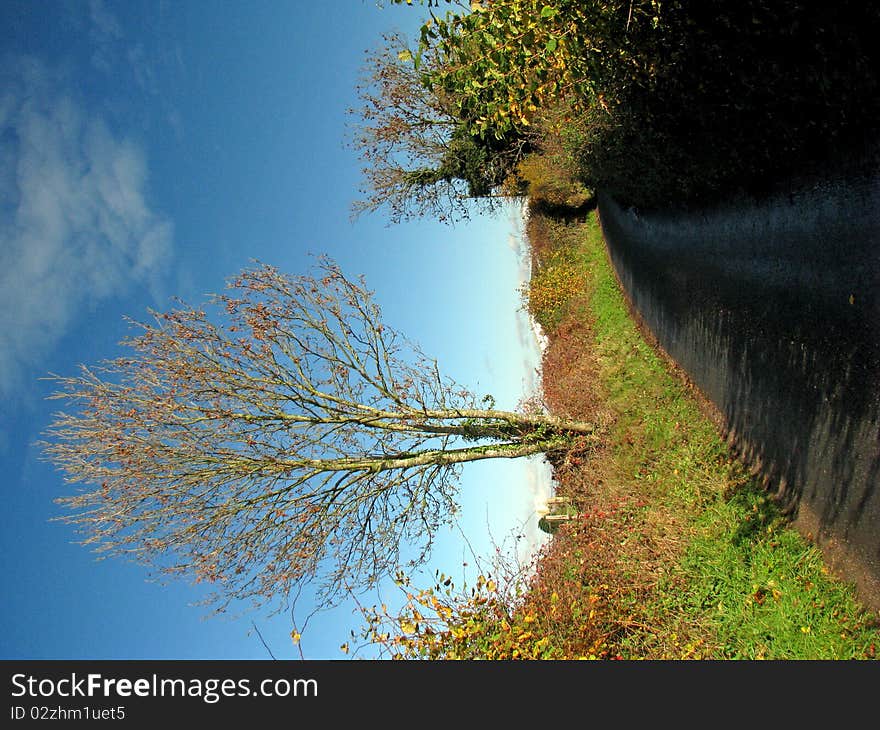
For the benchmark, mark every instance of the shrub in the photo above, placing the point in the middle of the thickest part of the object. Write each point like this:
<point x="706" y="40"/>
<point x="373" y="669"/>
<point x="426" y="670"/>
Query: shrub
<point x="553" y="283"/>
<point x="550" y="183"/>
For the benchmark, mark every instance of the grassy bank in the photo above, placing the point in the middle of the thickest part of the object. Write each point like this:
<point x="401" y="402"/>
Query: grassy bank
<point x="679" y="552"/>
<point x="675" y="551"/>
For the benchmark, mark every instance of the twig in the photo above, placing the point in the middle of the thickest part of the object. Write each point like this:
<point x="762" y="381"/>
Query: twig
<point x="263" y="640"/>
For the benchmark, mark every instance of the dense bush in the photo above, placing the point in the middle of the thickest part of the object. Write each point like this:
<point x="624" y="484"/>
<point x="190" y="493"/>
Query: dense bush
<point x="670" y="103"/>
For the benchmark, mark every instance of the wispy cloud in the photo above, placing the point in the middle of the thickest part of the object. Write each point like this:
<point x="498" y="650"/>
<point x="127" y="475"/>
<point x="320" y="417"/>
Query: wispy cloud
<point x="152" y="63"/>
<point x="75" y="225"/>
<point x="105" y="33"/>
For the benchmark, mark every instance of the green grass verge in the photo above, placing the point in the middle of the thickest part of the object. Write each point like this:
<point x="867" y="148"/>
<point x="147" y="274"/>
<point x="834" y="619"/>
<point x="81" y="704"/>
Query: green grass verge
<point x="743" y="584"/>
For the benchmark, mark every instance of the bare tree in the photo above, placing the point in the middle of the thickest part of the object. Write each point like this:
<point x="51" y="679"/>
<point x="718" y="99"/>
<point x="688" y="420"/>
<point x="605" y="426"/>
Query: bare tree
<point x="293" y="439"/>
<point x="417" y="158"/>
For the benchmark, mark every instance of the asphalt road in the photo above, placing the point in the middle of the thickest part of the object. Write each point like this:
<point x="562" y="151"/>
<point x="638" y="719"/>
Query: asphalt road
<point x="773" y="309"/>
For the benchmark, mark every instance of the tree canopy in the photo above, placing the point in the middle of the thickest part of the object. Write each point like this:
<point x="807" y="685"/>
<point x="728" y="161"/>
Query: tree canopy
<point x="419" y="158"/>
<point x="291" y="437"/>
<point x="446" y="121"/>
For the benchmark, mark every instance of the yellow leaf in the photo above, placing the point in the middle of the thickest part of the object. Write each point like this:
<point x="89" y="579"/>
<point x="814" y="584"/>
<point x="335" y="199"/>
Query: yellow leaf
<point x="295" y="636"/>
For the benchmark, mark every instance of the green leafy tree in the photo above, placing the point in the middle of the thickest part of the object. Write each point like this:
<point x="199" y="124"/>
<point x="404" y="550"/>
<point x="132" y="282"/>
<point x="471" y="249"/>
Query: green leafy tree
<point x="449" y="120"/>
<point x="418" y="157"/>
<point x="291" y="438"/>
<point x="503" y="60"/>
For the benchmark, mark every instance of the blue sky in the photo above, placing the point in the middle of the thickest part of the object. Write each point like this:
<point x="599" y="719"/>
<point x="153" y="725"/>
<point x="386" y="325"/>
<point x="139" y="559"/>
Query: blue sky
<point x="151" y="150"/>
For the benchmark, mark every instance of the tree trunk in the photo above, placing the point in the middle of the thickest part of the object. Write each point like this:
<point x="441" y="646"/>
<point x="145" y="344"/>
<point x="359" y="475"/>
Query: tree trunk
<point x="434" y="456"/>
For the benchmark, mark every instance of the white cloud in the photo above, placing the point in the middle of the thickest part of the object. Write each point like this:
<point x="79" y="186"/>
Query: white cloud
<point x="113" y="54"/>
<point x="75" y="226"/>
<point x="104" y="23"/>
<point x="105" y="33"/>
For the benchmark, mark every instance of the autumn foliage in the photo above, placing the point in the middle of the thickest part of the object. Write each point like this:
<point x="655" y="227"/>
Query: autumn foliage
<point x="288" y="437"/>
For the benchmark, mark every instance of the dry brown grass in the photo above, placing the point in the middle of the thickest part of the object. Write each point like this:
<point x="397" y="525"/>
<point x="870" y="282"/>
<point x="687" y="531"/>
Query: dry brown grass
<point x="569" y="370"/>
<point x="626" y="540"/>
<point x="539" y="234"/>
